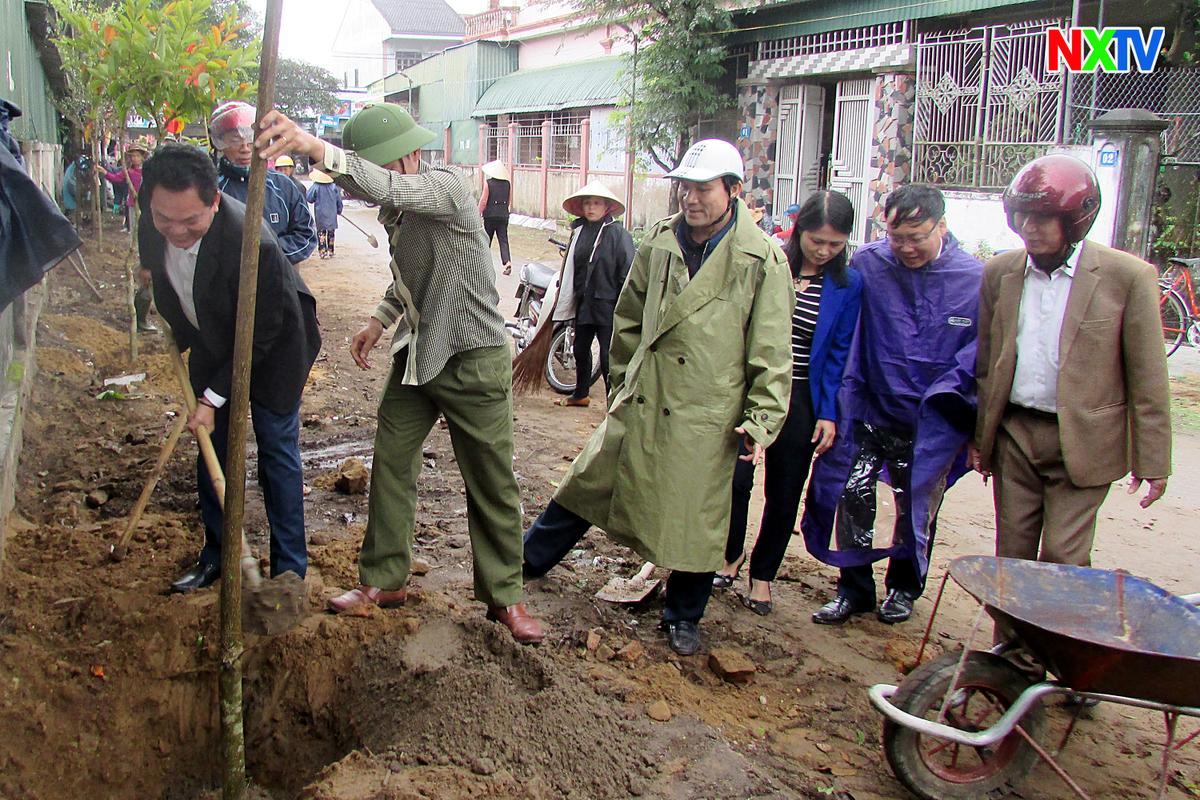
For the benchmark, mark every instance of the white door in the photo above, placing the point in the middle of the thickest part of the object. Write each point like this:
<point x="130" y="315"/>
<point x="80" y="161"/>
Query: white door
<point x="798" y="150"/>
<point x="853" y="132"/>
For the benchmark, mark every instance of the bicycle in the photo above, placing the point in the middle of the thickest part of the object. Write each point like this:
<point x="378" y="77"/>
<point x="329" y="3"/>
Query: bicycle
<point x="1177" y="303"/>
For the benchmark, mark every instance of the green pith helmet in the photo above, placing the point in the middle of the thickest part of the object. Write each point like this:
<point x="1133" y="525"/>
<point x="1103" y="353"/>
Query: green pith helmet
<point x="383" y="133"/>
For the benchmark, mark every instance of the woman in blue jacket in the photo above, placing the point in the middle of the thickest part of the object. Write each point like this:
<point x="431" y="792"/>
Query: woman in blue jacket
<point x="827" y="301"/>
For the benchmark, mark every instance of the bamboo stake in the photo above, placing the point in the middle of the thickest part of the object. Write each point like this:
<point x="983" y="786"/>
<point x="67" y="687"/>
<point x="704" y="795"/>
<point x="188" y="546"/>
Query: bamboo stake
<point x="233" y="741"/>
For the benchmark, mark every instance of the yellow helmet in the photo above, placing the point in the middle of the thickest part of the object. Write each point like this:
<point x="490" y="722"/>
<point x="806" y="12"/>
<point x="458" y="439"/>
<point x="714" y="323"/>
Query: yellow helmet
<point x="284" y="161"/>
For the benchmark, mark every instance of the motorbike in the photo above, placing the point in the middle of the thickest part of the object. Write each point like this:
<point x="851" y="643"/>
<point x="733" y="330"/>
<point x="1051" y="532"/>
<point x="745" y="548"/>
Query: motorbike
<point x="536" y="278"/>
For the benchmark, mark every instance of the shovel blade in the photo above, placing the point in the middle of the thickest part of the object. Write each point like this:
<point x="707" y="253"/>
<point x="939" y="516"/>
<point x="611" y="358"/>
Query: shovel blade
<point x="628" y="590"/>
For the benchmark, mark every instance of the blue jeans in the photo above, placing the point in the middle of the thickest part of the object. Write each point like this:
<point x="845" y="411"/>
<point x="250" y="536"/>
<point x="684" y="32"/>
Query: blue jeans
<point x="278" y="437"/>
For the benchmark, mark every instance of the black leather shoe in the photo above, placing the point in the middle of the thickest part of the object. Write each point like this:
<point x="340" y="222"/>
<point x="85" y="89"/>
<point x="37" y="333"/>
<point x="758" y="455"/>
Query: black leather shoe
<point x="896" y="607"/>
<point x="837" y="611"/>
<point x="683" y="636"/>
<point x="197" y="577"/>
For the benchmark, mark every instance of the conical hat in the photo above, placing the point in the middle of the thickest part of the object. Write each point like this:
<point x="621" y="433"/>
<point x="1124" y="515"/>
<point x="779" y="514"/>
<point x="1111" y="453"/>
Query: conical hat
<point x="495" y="169"/>
<point x="320" y="177"/>
<point x="574" y="204"/>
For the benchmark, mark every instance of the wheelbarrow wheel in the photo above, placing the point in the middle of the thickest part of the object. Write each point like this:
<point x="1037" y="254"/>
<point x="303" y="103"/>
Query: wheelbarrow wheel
<point x="934" y="769"/>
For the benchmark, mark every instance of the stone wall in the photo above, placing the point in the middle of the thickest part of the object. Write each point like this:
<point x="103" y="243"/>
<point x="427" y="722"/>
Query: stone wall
<point x="758" y="134"/>
<point x="892" y="141"/>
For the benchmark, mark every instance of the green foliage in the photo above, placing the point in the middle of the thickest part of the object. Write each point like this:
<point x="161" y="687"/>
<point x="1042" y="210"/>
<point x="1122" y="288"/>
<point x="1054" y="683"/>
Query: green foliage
<point x="304" y="90"/>
<point x="673" y="80"/>
<point x="164" y="62"/>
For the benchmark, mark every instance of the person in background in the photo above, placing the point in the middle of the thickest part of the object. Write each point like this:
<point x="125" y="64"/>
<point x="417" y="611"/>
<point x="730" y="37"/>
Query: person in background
<point x="784" y="232"/>
<point x="494" y="206"/>
<point x="700" y="363"/>
<point x="284" y="165"/>
<point x="327" y="204"/>
<point x="231" y="131"/>
<point x="827" y="299"/>
<point x="593" y="271"/>
<point x="135" y="154"/>
<point x="907" y="404"/>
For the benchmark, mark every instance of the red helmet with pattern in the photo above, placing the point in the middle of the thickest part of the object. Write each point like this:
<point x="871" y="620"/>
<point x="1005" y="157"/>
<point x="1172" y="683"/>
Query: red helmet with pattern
<point x="230" y="124"/>
<point x="1055" y="186"/>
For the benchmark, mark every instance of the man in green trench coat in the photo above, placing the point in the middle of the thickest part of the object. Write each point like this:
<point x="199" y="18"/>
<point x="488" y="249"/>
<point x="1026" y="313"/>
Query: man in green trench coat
<point x="700" y="358"/>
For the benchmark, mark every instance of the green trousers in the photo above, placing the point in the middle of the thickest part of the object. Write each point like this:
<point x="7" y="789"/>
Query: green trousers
<point x="474" y="393"/>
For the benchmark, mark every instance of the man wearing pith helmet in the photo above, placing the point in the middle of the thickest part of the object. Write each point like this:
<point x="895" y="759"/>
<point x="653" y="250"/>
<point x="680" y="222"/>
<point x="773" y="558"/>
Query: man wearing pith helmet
<point x="1072" y="375"/>
<point x="449" y="356"/>
<point x="700" y="361"/>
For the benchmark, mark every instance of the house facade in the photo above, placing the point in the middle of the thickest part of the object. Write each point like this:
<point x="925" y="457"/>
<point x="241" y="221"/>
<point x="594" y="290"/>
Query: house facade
<point x="376" y="38"/>
<point x="862" y="96"/>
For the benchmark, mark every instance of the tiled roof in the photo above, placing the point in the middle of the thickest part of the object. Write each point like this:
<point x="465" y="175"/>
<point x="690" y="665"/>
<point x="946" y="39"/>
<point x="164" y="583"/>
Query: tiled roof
<point x="421" y="17"/>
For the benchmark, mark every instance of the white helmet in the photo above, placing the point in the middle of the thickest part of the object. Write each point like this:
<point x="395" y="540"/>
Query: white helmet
<point x="709" y="159"/>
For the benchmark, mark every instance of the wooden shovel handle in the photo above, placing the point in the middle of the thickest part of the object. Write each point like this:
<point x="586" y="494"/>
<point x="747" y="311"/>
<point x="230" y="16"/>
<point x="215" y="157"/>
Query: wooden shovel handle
<point x="140" y="506"/>
<point x="203" y="437"/>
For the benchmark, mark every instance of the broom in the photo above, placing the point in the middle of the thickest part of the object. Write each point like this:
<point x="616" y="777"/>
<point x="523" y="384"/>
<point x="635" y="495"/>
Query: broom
<point x="529" y="366"/>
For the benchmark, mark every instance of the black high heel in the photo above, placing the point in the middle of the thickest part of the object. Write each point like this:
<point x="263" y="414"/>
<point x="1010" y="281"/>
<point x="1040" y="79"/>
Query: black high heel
<point x="725" y="581"/>
<point x="760" y="607"/>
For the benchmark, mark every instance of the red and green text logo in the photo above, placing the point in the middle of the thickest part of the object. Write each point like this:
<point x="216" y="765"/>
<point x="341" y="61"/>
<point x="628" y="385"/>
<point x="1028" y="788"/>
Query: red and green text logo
<point x="1103" y="49"/>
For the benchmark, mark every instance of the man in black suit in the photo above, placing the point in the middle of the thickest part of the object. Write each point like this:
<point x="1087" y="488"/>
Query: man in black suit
<point x="190" y="241"/>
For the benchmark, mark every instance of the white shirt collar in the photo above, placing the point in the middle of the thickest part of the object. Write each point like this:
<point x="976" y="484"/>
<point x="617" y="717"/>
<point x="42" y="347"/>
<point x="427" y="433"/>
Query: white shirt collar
<point x="1068" y="267"/>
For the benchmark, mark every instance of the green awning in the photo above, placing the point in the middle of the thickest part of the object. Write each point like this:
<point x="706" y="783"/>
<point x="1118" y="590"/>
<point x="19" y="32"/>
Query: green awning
<point x="580" y="84"/>
<point x="804" y="17"/>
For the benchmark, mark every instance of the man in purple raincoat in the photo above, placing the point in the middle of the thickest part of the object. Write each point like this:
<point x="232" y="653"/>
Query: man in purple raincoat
<point x="907" y="406"/>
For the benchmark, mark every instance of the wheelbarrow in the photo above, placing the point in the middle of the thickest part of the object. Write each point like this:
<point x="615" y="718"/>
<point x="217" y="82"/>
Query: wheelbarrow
<point x="967" y="724"/>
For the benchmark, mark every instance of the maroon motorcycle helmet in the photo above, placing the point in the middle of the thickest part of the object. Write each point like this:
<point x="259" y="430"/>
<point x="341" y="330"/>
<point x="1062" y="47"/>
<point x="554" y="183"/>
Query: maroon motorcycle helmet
<point x="1056" y="186"/>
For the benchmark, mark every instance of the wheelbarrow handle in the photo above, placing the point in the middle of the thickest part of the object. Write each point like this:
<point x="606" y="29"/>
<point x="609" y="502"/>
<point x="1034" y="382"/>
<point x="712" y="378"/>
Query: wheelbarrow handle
<point x="881" y="694"/>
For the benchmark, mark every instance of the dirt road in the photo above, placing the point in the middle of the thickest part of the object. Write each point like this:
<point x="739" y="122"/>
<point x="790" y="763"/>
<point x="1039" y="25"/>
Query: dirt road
<point x="108" y="686"/>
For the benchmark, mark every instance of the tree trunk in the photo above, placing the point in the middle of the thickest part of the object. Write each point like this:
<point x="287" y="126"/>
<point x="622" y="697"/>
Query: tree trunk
<point x="131" y="270"/>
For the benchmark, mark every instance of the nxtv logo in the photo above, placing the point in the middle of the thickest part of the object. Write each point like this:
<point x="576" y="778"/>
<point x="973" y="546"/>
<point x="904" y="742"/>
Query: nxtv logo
<point x="1103" y="49"/>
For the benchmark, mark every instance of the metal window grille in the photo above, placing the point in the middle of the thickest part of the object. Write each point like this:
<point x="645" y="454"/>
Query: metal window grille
<point x="985" y="105"/>
<point x="496" y="143"/>
<point x="566" y="140"/>
<point x="836" y="41"/>
<point x="406" y="58"/>
<point x="1171" y="93"/>
<point x="529" y="144"/>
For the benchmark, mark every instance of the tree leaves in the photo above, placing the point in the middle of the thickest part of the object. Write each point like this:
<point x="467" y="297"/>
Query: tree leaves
<point x="144" y="57"/>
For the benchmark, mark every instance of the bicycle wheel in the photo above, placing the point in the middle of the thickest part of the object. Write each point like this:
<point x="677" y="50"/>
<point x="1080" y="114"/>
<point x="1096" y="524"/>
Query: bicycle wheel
<point x="1174" y="320"/>
<point x="935" y="769"/>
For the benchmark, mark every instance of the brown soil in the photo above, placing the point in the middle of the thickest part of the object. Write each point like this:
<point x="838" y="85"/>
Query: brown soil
<point x="109" y="686"/>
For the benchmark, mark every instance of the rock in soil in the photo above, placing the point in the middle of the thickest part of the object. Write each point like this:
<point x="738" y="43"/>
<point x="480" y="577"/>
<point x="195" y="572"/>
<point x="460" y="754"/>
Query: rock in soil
<point x="353" y="477"/>
<point x="659" y="711"/>
<point x="97" y="498"/>
<point x="732" y="665"/>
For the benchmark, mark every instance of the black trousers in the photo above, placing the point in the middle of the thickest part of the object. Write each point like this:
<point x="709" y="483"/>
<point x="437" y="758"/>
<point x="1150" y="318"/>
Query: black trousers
<point x="498" y="229"/>
<point x="880" y="447"/>
<point x="557" y="530"/>
<point x="787" y="463"/>
<point x="584" y="334"/>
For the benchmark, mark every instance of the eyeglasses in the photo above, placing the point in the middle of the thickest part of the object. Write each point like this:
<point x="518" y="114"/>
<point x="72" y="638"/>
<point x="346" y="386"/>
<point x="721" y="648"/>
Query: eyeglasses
<point x="915" y="240"/>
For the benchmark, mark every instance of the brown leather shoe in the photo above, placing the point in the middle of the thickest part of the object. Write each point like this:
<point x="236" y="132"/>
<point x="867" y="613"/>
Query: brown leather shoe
<point x="524" y="627"/>
<point x="369" y="595"/>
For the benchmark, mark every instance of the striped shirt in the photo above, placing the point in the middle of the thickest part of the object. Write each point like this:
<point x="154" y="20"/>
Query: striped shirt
<point x="443" y="296"/>
<point x="804" y="324"/>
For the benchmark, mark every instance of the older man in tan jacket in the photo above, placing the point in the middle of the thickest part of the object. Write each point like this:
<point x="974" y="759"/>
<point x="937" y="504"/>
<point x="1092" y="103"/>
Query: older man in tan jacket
<point x="1072" y="373"/>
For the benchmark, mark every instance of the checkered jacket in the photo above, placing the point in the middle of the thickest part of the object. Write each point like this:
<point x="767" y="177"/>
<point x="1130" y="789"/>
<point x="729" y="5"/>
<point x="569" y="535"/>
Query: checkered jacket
<point x="443" y="296"/>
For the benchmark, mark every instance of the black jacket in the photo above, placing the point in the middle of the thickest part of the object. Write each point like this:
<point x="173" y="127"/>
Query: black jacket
<point x="286" y="336"/>
<point x="608" y="266"/>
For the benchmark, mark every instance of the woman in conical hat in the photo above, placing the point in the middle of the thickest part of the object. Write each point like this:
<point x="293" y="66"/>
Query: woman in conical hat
<point x="327" y="204"/>
<point x="494" y="205"/>
<point x="598" y="259"/>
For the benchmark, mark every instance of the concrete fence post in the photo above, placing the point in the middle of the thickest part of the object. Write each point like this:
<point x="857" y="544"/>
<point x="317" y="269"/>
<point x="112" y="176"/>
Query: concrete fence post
<point x="1126" y="148"/>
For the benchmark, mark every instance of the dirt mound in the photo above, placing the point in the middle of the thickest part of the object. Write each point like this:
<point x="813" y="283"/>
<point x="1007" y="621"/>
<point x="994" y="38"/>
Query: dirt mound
<point x="63" y="363"/>
<point x="465" y="695"/>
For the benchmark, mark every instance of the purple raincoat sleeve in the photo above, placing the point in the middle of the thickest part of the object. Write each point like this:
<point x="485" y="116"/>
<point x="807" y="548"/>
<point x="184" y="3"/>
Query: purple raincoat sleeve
<point x="913" y="355"/>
